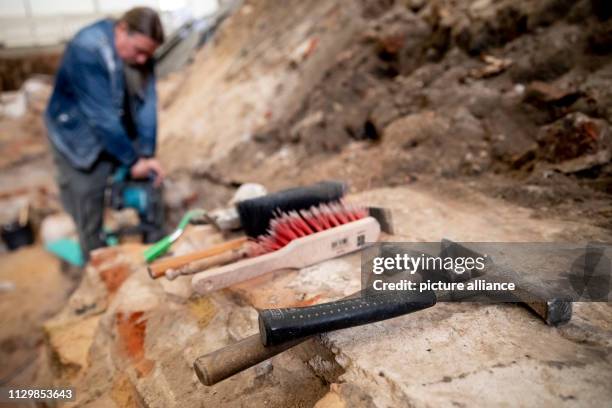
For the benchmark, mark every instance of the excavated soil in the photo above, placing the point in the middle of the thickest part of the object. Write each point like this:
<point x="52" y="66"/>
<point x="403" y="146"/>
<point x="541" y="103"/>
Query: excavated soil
<point x="511" y="98"/>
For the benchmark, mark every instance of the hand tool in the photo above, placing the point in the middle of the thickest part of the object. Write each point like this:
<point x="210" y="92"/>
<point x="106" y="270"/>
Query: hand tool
<point x="297" y="240"/>
<point x="277" y="326"/>
<point x="140" y="195"/>
<point x="232" y="359"/>
<point x="554" y="310"/>
<point x="159" y="268"/>
<point x="223" y="258"/>
<point x="280" y="325"/>
<point x="161" y="247"/>
<point x="253" y="215"/>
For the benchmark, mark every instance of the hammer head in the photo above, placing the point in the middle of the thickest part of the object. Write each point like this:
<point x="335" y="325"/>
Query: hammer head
<point x="384" y="218"/>
<point x="554" y="310"/>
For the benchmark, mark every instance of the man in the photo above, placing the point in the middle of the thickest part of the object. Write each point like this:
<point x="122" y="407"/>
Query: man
<point x="102" y="114"/>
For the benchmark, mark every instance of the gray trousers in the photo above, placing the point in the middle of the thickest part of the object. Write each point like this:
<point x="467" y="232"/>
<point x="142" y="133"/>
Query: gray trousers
<point x="82" y="195"/>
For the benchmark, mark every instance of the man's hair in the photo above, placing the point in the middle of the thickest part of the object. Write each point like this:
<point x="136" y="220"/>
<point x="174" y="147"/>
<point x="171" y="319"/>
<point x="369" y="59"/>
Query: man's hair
<point x="144" y="20"/>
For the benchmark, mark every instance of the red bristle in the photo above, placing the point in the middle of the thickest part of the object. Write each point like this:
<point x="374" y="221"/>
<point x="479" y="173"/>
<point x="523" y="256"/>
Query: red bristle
<point x="310" y="217"/>
<point x="296" y="224"/>
<point x="356" y="212"/>
<point x="302" y="225"/>
<point x="321" y="217"/>
<point x="340" y="213"/>
<point x="350" y="213"/>
<point x="286" y="227"/>
<point x="329" y="213"/>
<point x="269" y="243"/>
<point x="283" y="234"/>
<point x="293" y="220"/>
<point x="256" y="247"/>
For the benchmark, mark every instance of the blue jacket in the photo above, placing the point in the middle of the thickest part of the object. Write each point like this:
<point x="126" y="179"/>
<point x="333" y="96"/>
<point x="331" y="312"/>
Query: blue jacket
<point x="85" y="114"/>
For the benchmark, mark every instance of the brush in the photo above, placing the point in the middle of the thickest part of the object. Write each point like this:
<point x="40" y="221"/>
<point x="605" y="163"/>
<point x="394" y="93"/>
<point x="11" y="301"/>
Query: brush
<point x="297" y="239"/>
<point x="254" y="215"/>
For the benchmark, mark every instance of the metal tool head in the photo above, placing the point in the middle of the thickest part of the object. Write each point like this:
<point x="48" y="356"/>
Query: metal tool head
<point x="551" y="308"/>
<point x="452" y="249"/>
<point x="554" y="312"/>
<point x="384" y="218"/>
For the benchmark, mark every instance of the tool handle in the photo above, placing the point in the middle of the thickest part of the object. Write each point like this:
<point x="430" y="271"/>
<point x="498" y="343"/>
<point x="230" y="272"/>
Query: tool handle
<point x="223" y="258"/>
<point x="214" y="367"/>
<point x="277" y="326"/>
<point x="159" y="268"/>
<point x="223" y="363"/>
<point x="157" y="249"/>
<point x="223" y="276"/>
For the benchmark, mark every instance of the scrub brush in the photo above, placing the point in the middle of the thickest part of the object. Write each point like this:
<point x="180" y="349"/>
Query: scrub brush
<point x="297" y="239"/>
<point x="254" y="216"/>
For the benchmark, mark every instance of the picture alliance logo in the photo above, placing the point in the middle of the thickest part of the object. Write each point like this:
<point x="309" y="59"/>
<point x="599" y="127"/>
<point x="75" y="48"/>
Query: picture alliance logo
<point x="589" y="277"/>
<point x="577" y="272"/>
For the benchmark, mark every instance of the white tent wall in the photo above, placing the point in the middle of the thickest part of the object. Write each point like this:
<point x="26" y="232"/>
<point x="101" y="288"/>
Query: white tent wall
<point x="33" y="23"/>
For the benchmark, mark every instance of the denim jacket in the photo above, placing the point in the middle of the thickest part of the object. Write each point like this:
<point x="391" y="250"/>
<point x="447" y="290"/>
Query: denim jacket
<point x="85" y="114"/>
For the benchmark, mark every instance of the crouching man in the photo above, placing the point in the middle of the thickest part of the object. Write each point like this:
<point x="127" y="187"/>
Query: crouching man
<point x="102" y="114"/>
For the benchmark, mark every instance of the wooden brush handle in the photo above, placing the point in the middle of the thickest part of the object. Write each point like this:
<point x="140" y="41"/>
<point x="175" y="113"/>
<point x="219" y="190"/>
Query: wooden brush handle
<point x="221" y="277"/>
<point x="299" y="253"/>
<point x="159" y="268"/>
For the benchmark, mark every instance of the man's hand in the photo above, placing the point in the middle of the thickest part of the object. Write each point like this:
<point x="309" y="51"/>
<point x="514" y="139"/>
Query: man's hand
<point x="143" y="168"/>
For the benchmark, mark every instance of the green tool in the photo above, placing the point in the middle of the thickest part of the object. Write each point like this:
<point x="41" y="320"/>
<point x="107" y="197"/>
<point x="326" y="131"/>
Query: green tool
<point x="161" y="247"/>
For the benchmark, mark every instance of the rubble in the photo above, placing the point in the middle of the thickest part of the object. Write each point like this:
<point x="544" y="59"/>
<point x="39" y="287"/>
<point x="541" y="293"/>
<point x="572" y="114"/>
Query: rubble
<point x="495" y="66"/>
<point x="573" y="136"/>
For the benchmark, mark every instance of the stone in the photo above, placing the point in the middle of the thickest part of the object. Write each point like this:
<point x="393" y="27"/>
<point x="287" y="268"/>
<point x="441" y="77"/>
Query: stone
<point x="70" y="342"/>
<point x="57" y="226"/>
<point x="411" y="130"/>
<point x="572" y="136"/>
<point x="247" y="191"/>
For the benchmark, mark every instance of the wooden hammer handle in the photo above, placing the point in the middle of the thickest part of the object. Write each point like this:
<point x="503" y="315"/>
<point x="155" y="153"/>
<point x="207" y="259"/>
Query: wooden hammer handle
<point x="223" y="363"/>
<point x="159" y="268"/>
<point x="234" y="358"/>
<point x="200" y="265"/>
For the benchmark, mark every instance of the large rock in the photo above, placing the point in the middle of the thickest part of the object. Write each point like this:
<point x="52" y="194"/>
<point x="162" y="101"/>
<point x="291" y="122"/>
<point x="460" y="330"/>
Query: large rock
<point x="134" y="341"/>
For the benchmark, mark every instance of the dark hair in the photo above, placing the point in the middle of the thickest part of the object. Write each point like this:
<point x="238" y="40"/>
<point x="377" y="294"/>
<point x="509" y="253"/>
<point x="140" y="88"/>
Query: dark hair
<point x="144" y="20"/>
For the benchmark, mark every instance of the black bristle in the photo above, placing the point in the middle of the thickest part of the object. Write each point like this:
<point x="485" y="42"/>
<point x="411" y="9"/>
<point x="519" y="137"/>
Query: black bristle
<point x="255" y="214"/>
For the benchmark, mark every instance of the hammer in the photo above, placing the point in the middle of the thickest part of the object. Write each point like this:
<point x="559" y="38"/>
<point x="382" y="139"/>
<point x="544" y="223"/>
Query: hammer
<point x="223" y="363"/>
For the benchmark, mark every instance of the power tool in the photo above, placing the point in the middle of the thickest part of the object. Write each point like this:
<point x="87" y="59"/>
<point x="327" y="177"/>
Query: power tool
<point x="141" y="195"/>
